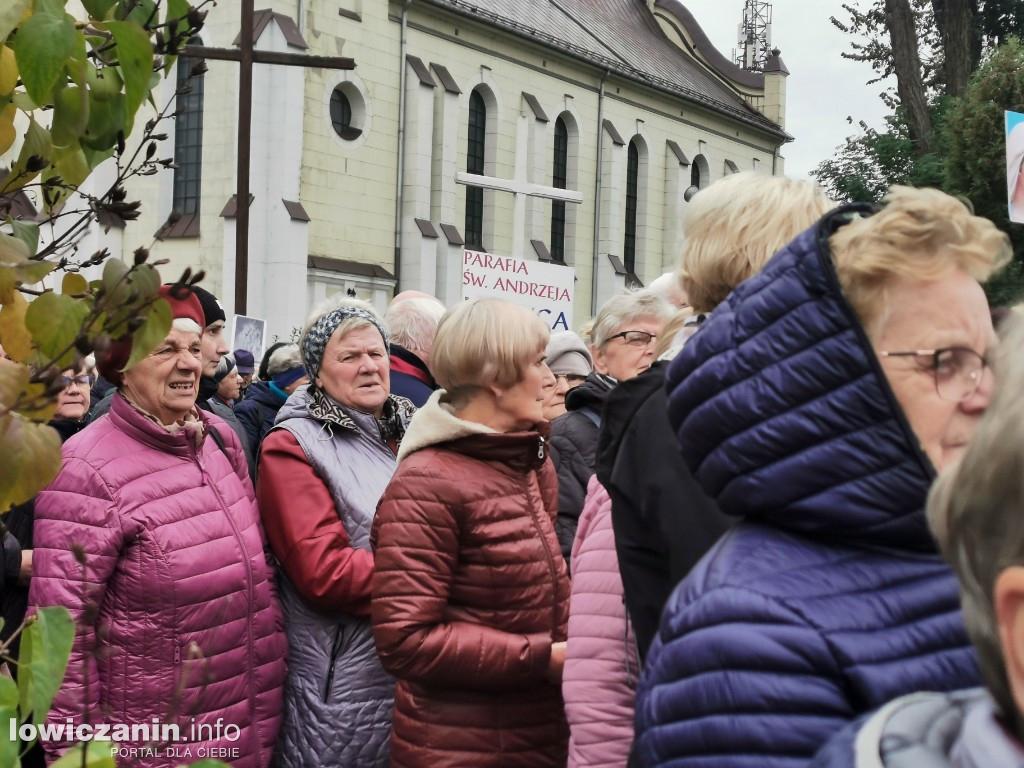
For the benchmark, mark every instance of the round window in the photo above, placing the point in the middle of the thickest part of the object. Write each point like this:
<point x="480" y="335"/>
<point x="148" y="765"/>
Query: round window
<point x="341" y="115"/>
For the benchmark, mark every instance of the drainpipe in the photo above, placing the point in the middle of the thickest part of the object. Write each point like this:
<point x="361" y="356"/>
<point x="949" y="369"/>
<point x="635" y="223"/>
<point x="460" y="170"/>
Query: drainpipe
<point x="300" y="16"/>
<point x="775" y="159"/>
<point x="597" y="193"/>
<point x="399" y="175"/>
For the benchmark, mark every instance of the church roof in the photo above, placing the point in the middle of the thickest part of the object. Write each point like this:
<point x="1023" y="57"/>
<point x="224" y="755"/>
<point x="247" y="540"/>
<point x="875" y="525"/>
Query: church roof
<point x="620" y="35"/>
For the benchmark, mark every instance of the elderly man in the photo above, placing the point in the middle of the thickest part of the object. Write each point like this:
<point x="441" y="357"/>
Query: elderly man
<point x="411" y="320"/>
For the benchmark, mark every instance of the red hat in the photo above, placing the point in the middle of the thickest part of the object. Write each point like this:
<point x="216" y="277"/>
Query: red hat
<point x="184" y="304"/>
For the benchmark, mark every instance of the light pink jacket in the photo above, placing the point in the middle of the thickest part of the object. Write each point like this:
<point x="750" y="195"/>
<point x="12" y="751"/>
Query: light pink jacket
<point x="601" y="664"/>
<point x="177" y="614"/>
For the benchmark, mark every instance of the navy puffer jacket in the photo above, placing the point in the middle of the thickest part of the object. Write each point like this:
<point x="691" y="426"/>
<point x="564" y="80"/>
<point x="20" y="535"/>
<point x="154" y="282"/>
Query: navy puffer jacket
<point x="829" y="599"/>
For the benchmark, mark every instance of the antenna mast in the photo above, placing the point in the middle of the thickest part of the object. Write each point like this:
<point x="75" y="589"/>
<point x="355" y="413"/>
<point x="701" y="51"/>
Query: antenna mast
<point x="755" y="35"/>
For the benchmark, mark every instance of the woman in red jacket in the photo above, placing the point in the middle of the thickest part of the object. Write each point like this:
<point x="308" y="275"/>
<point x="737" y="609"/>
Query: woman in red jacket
<point x="470" y="593"/>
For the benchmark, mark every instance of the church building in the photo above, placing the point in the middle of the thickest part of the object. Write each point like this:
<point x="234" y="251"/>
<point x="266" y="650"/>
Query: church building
<point x="568" y="133"/>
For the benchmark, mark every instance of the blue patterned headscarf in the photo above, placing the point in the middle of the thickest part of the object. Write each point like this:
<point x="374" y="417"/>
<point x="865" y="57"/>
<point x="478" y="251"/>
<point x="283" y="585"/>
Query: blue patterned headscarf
<point x="315" y="341"/>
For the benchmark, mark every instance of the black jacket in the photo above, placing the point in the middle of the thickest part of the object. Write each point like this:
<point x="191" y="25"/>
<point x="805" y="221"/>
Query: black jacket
<point x="663" y="520"/>
<point x="573" y="450"/>
<point x="257" y="412"/>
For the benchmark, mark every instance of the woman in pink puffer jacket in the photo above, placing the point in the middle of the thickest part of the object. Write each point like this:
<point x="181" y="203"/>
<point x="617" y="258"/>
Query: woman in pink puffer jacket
<point x="150" y="536"/>
<point x="601" y="662"/>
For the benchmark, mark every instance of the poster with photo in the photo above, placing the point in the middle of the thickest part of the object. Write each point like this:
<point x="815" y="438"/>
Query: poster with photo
<point x="249" y="333"/>
<point x="1015" y="166"/>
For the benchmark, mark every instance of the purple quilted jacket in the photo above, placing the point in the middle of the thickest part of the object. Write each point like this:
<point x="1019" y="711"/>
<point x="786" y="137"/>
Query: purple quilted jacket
<point x="176" y="610"/>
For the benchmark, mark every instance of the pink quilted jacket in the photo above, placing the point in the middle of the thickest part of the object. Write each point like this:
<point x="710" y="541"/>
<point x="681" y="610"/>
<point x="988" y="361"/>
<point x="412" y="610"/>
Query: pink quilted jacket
<point x="188" y="628"/>
<point x="601" y="664"/>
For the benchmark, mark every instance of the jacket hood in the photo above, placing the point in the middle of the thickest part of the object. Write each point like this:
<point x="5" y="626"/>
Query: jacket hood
<point x="436" y="424"/>
<point x="783" y="412"/>
<point x="260" y="392"/>
<point x="590" y="394"/>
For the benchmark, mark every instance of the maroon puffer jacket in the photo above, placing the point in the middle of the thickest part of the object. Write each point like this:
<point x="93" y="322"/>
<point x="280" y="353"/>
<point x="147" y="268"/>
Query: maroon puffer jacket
<point x="469" y="592"/>
<point x="187" y="623"/>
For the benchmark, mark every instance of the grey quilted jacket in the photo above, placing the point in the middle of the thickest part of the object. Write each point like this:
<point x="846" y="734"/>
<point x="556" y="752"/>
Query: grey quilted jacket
<point x="338" y="698"/>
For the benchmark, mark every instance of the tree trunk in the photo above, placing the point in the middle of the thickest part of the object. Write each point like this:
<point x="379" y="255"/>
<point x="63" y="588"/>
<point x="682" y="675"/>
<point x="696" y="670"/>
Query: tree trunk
<point x="899" y="19"/>
<point x="955" y="22"/>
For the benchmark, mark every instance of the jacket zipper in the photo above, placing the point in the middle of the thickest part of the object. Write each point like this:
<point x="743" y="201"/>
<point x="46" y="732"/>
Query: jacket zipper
<point x="540" y="534"/>
<point x="177" y="651"/>
<point x="250" y="643"/>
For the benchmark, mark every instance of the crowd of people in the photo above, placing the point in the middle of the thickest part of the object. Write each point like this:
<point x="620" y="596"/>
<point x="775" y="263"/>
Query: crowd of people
<point x="693" y="534"/>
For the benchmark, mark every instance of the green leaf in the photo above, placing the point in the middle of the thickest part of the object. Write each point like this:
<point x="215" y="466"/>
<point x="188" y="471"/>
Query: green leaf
<point x="27" y="232"/>
<point x="98" y="755"/>
<point x="11" y="12"/>
<point x="37" y="144"/>
<point x="8" y="715"/>
<point x="15" y="267"/>
<point x="113" y="272"/>
<point x="31" y="454"/>
<point x="41" y="46"/>
<point x="176" y="9"/>
<point x="99" y="9"/>
<point x="154" y="330"/>
<point x="53" y="8"/>
<point x="135" y="54"/>
<point x="72" y="166"/>
<point x="209" y="764"/>
<point x="55" y="321"/>
<point x="45" y="648"/>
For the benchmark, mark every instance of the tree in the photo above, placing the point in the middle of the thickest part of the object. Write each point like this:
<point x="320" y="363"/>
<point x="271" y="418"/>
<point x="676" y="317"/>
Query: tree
<point x="73" y="88"/>
<point x="975" y="165"/>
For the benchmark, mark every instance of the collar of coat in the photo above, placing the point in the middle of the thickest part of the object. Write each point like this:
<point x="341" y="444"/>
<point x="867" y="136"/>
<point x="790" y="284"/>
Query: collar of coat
<point x="436" y="424"/>
<point x="391" y="425"/>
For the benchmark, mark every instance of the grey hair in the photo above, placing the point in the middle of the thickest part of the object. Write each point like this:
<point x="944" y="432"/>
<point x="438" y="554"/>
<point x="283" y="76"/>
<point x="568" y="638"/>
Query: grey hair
<point x="412" y="323"/>
<point x="974" y="510"/>
<point x="284" y="359"/>
<point x="625" y="308"/>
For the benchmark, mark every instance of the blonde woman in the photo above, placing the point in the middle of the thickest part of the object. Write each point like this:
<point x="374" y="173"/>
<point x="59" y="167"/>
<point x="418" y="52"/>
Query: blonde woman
<point x="470" y="593"/>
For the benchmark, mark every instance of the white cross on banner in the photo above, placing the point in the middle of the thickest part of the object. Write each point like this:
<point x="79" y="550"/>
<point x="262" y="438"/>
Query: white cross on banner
<point x="547" y="289"/>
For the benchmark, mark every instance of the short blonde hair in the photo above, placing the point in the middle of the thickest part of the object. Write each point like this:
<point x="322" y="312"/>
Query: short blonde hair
<point x="669" y="331"/>
<point x="736" y="225"/>
<point x="974" y="510"/>
<point x="481" y="342"/>
<point x="626" y="308"/>
<point x="921" y="234"/>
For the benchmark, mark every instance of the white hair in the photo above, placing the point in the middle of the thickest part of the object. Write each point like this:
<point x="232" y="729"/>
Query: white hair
<point x="626" y="308"/>
<point x="284" y="359"/>
<point x="412" y="323"/>
<point x="186" y="324"/>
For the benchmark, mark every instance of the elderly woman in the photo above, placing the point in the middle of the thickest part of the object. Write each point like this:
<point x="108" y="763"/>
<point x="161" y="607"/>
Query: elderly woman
<point x="322" y="471"/>
<point x="570" y="363"/>
<point x="470" y="594"/>
<point x="817" y="403"/>
<point x="150" y="536"/>
<point x="622" y="343"/>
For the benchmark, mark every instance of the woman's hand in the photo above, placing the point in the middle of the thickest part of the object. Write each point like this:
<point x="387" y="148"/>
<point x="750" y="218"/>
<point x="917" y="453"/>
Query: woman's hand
<point x="556" y="662"/>
<point x="25" y="572"/>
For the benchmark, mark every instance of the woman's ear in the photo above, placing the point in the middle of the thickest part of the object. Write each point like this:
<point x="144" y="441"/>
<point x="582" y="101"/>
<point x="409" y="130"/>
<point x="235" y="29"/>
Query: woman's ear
<point x="1008" y="599"/>
<point x="597" y="355"/>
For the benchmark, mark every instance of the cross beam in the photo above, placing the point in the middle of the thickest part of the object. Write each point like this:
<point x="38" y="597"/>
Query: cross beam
<point x="246" y="56"/>
<point x="520" y="187"/>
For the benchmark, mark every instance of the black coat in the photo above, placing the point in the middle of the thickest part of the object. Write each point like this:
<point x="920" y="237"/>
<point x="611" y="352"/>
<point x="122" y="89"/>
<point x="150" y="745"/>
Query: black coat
<point x="573" y="450"/>
<point x="663" y="520"/>
<point x="257" y="412"/>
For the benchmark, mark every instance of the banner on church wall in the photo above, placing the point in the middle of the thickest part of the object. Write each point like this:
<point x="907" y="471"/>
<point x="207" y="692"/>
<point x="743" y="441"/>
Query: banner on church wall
<point x="547" y="289"/>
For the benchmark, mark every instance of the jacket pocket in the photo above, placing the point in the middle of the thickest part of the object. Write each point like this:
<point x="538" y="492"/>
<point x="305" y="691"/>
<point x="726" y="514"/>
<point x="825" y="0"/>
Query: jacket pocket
<point x="336" y="646"/>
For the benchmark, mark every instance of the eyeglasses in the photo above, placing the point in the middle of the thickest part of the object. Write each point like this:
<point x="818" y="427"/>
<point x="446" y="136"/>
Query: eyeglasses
<point x="572" y="379"/>
<point x="634" y="338"/>
<point x="82" y="380"/>
<point x="957" y="370"/>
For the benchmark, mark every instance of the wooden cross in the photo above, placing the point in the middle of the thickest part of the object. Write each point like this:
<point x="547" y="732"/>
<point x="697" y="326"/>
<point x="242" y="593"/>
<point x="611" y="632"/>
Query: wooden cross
<point x="246" y="57"/>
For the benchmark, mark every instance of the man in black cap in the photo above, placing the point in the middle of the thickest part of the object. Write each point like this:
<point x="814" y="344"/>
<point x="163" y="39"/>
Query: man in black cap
<point x="246" y="365"/>
<point x="213" y="348"/>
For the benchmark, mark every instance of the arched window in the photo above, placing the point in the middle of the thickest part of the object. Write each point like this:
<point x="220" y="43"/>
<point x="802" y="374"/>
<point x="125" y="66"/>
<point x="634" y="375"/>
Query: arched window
<point x="695" y="175"/>
<point x="475" y="164"/>
<point x="188" y="138"/>
<point x="558" y="180"/>
<point x="632" y="179"/>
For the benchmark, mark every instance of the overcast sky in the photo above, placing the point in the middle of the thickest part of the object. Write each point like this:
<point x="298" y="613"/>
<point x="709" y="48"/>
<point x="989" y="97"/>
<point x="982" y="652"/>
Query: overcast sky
<point x="822" y="89"/>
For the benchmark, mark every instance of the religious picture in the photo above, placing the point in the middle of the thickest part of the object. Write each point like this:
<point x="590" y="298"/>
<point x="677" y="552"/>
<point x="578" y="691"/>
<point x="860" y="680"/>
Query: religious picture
<point x="249" y="334"/>
<point x="1015" y="165"/>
